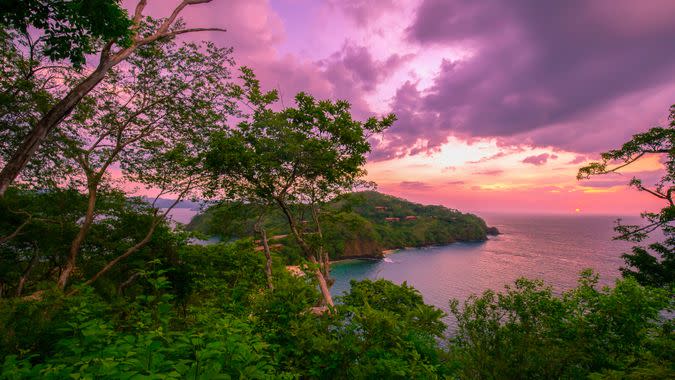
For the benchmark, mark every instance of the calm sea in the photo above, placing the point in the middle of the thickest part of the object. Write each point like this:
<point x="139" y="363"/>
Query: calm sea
<point x="552" y="248"/>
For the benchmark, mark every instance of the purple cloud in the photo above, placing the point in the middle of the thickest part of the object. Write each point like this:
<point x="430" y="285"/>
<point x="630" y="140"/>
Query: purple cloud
<point x="649" y="179"/>
<point x="540" y="159"/>
<point x="415" y="185"/>
<point x="362" y="11"/>
<point x="603" y="183"/>
<point x="539" y="73"/>
<point x="489" y="158"/>
<point x="355" y="66"/>
<point x="578" y="160"/>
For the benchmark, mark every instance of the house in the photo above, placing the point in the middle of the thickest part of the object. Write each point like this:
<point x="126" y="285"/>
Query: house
<point x="380" y="208"/>
<point x="411" y="217"/>
<point x="392" y="219"/>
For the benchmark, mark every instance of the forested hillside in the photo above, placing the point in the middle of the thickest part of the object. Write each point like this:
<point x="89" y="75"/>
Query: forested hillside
<point x="360" y="224"/>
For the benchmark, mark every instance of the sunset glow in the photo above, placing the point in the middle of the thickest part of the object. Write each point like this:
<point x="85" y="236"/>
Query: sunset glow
<point x="498" y="107"/>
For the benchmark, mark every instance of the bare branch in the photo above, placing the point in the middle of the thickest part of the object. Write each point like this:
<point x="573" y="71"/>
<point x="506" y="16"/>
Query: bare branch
<point x="17" y="231"/>
<point x="190" y="30"/>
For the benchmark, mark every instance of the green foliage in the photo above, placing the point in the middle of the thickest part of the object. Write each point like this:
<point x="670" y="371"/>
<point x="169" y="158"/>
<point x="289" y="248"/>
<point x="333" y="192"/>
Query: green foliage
<point x="227" y="275"/>
<point x="352" y="225"/>
<point x="39" y="227"/>
<point x="527" y="332"/>
<point x="25" y="96"/>
<point x="229" y="325"/>
<point x="206" y="312"/>
<point x="91" y="346"/>
<point x="274" y="156"/>
<point x="71" y="29"/>
<point x="653" y="268"/>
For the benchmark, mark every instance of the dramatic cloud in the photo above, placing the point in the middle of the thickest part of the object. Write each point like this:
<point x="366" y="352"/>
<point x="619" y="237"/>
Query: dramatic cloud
<point x="540" y="159"/>
<point x="472" y="81"/>
<point x="355" y="66"/>
<point x="543" y="73"/>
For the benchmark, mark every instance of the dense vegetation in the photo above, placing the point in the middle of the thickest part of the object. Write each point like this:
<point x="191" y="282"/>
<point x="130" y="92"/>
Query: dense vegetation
<point x="206" y="312"/>
<point x="360" y="224"/>
<point x="96" y="283"/>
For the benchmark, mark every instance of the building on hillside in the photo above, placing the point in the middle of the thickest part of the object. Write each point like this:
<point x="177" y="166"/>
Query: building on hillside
<point x="380" y="208"/>
<point x="411" y="217"/>
<point x="392" y="219"/>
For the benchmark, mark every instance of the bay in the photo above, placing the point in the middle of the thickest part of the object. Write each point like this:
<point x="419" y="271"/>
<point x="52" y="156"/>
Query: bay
<point x="553" y="248"/>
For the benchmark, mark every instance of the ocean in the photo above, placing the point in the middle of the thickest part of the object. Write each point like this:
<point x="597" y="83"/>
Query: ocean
<point x="552" y="248"/>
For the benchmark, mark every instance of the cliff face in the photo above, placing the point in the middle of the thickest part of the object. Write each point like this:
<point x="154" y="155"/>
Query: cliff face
<point x="361" y="248"/>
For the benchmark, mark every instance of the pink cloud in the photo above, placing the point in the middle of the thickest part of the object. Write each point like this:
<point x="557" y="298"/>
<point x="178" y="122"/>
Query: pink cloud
<point x="540" y="159"/>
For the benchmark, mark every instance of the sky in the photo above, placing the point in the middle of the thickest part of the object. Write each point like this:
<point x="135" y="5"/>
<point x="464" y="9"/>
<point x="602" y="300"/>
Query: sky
<point x="498" y="102"/>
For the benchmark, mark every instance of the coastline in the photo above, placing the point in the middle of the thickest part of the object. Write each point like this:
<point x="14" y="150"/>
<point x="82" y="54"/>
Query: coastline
<point x="387" y="252"/>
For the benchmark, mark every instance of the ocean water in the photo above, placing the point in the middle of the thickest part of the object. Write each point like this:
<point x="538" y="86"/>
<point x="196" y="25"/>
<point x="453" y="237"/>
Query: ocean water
<point x="552" y="248"/>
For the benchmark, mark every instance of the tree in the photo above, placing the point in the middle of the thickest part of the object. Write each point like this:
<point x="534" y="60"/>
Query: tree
<point x="26" y="94"/>
<point x="112" y="51"/>
<point x="649" y="269"/>
<point x="528" y="332"/>
<point x="276" y="156"/>
<point x="35" y="256"/>
<point x="152" y="119"/>
<point x="70" y="29"/>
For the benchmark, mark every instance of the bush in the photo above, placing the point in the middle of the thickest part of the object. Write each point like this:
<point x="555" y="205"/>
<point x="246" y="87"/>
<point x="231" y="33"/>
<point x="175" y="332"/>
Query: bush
<point x="527" y="332"/>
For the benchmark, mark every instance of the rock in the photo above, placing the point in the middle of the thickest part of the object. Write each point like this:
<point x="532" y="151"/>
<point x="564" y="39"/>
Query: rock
<point x="493" y="231"/>
<point x="362" y="248"/>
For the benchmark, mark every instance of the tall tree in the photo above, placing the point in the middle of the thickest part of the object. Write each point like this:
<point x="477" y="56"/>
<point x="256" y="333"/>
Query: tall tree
<point x="151" y="119"/>
<point x="114" y="49"/>
<point x="277" y="156"/>
<point x="656" y="269"/>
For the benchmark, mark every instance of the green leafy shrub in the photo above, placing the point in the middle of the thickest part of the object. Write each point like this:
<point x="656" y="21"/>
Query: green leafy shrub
<point x="528" y="332"/>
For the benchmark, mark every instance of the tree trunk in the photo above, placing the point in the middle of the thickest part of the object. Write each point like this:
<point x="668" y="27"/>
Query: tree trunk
<point x="47" y="123"/>
<point x="79" y="239"/>
<point x="268" y="258"/>
<point x="323" y="255"/>
<point x="26" y="273"/>
<point x="323" y="285"/>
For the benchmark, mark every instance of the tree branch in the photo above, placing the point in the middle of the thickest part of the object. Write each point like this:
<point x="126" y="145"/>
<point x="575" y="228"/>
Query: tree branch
<point x="17" y="231"/>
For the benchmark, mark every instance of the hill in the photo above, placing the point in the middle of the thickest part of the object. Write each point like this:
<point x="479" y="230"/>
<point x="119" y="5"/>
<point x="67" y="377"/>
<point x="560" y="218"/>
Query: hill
<point x="361" y="224"/>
